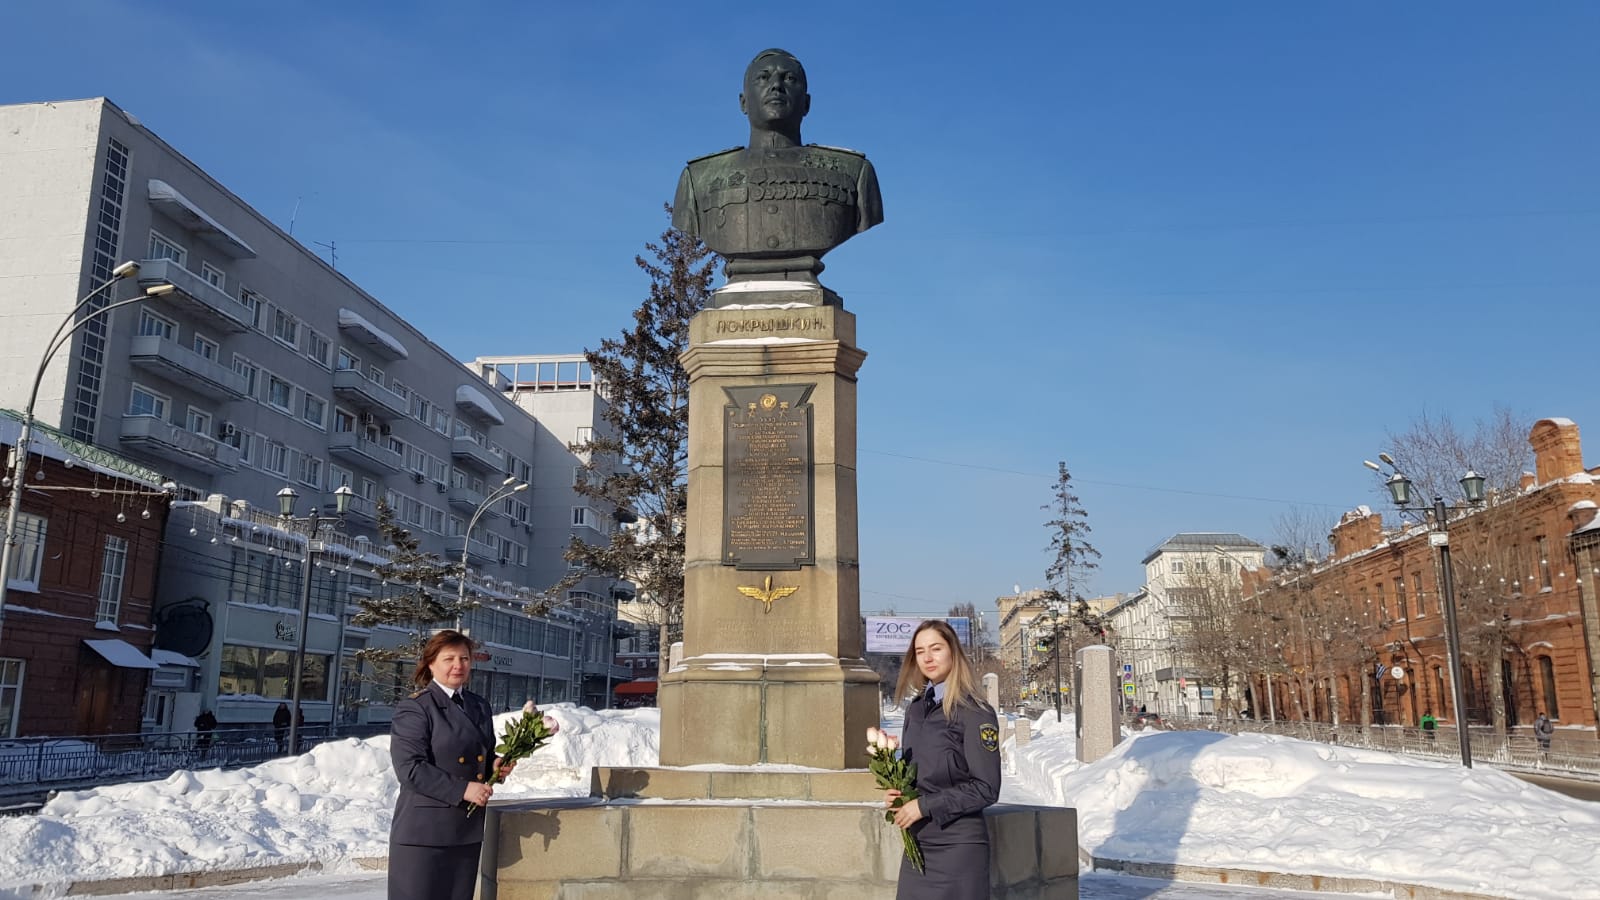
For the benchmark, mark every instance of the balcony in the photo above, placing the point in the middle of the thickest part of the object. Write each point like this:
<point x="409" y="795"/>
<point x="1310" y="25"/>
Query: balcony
<point x="156" y="437"/>
<point x="465" y="498"/>
<point x="361" y="392"/>
<point x="195" y="295"/>
<point x="370" y="455"/>
<point x="470" y="451"/>
<point x="181" y="365"/>
<point x="363" y="510"/>
<point x="477" y="551"/>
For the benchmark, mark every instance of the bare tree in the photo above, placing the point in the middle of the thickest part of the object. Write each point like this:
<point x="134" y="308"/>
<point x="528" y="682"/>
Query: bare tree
<point x="1434" y="453"/>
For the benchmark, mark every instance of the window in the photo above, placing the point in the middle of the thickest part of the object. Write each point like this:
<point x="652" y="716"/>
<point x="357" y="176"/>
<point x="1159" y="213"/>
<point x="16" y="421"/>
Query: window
<point x="265" y="672"/>
<point x="314" y="410"/>
<point x="251" y="301"/>
<point x="401" y="391"/>
<point x="28" y="557"/>
<point x="277" y="459"/>
<point x="113" y="564"/>
<point x="584" y="435"/>
<point x="375" y="375"/>
<point x="1400" y="601"/>
<point x="163" y="247"/>
<point x="339" y="477"/>
<point x="152" y="324"/>
<point x="397" y="446"/>
<point x="205" y="347"/>
<point x="421" y="408"/>
<point x="144" y="402"/>
<point x="1547" y="676"/>
<point x="310" y="470"/>
<point x="245" y="443"/>
<point x="1383" y="602"/>
<point x="280" y="393"/>
<point x="435" y="522"/>
<point x="344" y="421"/>
<point x="1543" y="549"/>
<point x="213" y="275"/>
<point x="198" y="421"/>
<point x="10" y="696"/>
<point x="347" y="361"/>
<point x="318" y="347"/>
<point x="1177" y="567"/>
<point x="441" y="421"/>
<point x="249" y="371"/>
<point x="583" y="516"/>
<point x="1416" y="591"/>
<point x="286" y="328"/>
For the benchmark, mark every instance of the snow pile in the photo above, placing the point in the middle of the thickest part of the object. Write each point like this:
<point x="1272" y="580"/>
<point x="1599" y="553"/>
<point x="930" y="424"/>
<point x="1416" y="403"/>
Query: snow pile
<point x="1278" y="804"/>
<point x="331" y="804"/>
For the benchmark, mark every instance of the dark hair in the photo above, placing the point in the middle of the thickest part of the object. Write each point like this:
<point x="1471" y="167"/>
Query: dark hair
<point x="436" y="645"/>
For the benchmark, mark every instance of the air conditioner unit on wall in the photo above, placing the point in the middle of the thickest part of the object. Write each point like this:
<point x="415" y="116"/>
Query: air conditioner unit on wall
<point x="439" y="486"/>
<point x="385" y="430"/>
<point x="367" y="418"/>
<point x="227" y="430"/>
<point x="418" y="477"/>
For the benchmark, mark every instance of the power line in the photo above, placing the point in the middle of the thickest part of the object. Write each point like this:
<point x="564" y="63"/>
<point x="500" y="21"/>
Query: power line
<point x="1116" y="484"/>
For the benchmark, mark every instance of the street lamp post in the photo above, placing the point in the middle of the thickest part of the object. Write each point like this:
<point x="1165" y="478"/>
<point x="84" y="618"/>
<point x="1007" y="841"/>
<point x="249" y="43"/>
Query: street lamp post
<point x="19" y="453"/>
<point x="313" y="524"/>
<point x="507" y="488"/>
<point x="1472" y="487"/>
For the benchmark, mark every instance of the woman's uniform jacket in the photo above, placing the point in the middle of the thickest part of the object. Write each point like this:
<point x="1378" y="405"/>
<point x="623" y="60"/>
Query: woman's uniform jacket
<point x="438" y="748"/>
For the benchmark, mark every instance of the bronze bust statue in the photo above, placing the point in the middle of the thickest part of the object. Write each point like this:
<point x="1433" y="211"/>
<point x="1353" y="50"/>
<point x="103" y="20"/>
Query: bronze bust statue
<point x="773" y="208"/>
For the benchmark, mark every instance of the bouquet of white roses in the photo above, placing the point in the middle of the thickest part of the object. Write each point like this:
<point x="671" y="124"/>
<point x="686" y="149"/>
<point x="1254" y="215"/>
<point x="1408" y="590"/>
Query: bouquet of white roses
<point x="525" y="734"/>
<point x="895" y="773"/>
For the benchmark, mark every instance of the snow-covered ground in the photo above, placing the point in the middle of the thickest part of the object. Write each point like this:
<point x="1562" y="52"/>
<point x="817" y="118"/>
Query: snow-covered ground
<point x="1246" y="801"/>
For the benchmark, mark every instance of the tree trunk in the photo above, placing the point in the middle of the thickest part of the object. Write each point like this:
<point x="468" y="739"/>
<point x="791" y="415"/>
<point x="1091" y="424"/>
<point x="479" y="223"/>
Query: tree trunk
<point x="1366" y="697"/>
<point x="1497" y="690"/>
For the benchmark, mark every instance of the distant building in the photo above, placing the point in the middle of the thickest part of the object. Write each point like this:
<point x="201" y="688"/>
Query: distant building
<point x="266" y="368"/>
<point x="1362" y="633"/>
<point x="1017" y="613"/>
<point x="1146" y="624"/>
<point x="76" y="653"/>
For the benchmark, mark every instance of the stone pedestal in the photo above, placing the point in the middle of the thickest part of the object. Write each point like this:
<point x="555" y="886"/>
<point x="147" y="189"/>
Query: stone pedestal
<point x="1095" y="686"/>
<point x="740" y="848"/>
<point x="772" y="646"/>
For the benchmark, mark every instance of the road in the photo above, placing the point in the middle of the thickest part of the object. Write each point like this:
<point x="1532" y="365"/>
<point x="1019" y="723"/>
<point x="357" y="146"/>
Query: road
<point x="1572" y="787"/>
<point x="371" y="887"/>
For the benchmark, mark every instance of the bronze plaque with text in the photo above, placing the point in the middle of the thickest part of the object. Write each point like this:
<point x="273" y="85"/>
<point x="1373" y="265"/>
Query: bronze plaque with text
<point x="767" y="478"/>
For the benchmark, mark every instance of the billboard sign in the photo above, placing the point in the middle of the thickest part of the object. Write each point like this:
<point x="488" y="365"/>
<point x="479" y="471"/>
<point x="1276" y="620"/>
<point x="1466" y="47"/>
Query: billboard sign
<point x="892" y="634"/>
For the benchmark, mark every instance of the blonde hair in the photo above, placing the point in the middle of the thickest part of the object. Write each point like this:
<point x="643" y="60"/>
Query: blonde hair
<point x="960" y="686"/>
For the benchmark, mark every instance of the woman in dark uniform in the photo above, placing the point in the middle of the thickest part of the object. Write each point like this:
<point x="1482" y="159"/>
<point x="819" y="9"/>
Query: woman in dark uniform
<point x="442" y="744"/>
<point x="954" y="738"/>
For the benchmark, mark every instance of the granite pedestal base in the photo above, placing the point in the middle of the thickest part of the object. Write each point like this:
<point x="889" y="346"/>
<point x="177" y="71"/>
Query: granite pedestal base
<point x="595" y="848"/>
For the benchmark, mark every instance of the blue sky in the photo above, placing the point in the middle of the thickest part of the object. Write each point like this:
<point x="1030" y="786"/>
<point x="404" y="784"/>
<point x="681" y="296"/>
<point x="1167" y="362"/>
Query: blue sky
<point x="1207" y="253"/>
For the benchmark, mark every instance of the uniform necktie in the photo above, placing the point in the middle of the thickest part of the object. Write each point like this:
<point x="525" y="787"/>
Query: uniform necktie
<point x="456" y="699"/>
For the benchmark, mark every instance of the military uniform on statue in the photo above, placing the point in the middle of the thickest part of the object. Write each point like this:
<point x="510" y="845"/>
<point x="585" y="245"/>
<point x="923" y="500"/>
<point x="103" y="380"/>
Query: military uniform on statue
<point x="953" y="737"/>
<point x="442" y="745"/>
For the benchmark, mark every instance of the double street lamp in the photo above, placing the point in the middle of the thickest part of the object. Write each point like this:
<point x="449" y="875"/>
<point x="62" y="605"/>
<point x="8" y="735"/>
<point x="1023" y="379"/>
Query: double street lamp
<point x="312" y="524"/>
<point x="508" y="487"/>
<point x="1437" y="518"/>
<point x="19" y="454"/>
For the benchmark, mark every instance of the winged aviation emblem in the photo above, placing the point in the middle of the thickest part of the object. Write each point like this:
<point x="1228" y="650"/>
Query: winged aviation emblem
<point x="767" y="593"/>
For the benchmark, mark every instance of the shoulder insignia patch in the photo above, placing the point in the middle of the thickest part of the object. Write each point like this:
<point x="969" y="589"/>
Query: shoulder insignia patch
<point x="415" y="695"/>
<point x="990" y="737"/>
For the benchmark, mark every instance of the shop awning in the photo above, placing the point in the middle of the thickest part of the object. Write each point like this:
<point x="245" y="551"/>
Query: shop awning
<point x="121" y="654"/>
<point x="629" y="688"/>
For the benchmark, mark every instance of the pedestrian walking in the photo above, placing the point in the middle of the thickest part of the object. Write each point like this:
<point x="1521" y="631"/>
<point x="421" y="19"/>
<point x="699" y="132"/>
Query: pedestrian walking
<point x="1429" y="724"/>
<point x="953" y="737"/>
<point x="280" y="726"/>
<point x="441" y="741"/>
<point x="1543" y="730"/>
<point x="204" y="724"/>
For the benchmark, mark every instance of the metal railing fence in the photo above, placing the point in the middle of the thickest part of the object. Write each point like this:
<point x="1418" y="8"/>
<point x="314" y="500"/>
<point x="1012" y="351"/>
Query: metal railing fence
<point x="1570" y="752"/>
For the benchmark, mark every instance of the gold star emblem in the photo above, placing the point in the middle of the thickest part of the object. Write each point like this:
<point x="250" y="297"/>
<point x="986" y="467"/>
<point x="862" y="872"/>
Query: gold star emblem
<point x="767" y="593"/>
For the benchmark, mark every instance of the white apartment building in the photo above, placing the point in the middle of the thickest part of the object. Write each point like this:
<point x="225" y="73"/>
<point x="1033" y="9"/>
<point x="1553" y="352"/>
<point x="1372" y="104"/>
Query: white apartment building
<point x="265" y="368"/>
<point x="1143" y="623"/>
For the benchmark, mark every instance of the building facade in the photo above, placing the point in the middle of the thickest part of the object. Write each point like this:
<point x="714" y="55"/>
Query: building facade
<point x="1363" y="635"/>
<point x="1158" y="628"/>
<point x="1016" y="614"/>
<point x="265" y="368"/>
<point x="76" y="627"/>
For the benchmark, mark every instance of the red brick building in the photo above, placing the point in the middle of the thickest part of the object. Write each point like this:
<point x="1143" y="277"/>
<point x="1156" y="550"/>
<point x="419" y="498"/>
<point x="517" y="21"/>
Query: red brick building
<point x="1361" y="636"/>
<point x="76" y="630"/>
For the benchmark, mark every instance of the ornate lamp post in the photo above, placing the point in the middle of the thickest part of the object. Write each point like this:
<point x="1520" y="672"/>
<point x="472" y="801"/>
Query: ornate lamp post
<point x="1437" y="518"/>
<point x="19" y="454"/>
<point x="312" y="525"/>
<point x="507" y="488"/>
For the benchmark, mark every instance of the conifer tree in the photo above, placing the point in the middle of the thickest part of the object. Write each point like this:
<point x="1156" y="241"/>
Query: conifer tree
<point x="412" y="594"/>
<point x="638" y="464"/>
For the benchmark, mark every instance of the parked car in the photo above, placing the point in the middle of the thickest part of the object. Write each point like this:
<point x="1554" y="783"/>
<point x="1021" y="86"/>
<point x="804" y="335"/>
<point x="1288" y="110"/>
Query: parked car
<point x="1144" y="720"/>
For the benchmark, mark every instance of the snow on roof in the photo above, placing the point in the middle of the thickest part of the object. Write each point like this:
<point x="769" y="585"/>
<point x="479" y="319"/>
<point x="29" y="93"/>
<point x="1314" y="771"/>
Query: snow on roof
<point x="166" y="198"/>
<point x="52" y="444"/>
<point x="169" y="658"/>
<point x="475" y="401"/>
<point x="121" y="654"/>
<point x="371" y="335"/>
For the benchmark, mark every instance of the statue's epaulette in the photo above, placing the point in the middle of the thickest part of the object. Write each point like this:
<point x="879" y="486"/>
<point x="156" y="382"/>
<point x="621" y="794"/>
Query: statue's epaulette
<point x="840" y="149"/>
<point x="718" y="153"/>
